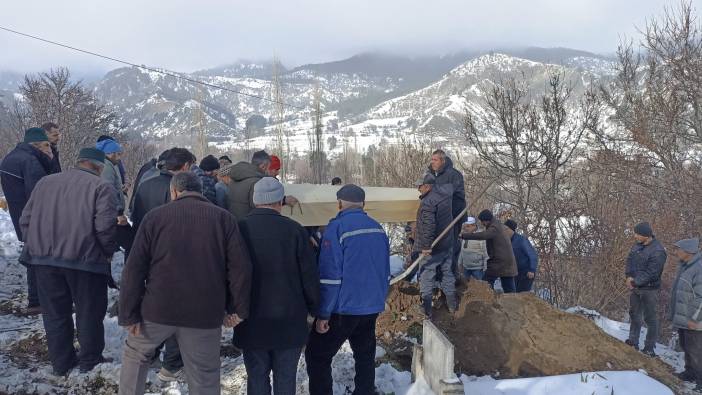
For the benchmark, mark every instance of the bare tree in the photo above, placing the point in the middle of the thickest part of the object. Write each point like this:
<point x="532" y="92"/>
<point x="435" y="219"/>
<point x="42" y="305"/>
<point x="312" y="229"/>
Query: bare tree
<point x="502" y="137"/>
<point x="54" y="97"/>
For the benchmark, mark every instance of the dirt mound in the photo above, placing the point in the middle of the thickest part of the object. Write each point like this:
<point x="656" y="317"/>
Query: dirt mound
<point x="520" y="335"/>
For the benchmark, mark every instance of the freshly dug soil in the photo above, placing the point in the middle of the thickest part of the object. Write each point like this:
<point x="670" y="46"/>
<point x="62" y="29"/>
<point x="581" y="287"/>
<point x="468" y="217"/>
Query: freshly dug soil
<point x="519" y="335"/>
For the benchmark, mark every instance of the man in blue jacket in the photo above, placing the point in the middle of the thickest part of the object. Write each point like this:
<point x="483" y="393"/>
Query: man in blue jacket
<point x="526" y="257"/>
<point x="354" y="269"/>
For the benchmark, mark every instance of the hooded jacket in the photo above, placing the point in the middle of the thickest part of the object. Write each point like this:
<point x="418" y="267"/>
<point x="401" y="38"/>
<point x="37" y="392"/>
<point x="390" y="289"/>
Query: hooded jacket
<point x="433" y="216"/>
<point x="524" y="253"/>
<point x="20" y="172"/>
<point x="447" y="174"/>
<point x="499" y="247"/>
<point x="686" y="295"/>
<point x="244" y="175"/>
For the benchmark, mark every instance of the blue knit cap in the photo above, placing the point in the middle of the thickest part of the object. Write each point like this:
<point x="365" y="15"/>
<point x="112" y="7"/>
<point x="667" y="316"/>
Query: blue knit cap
<point x="108" y="146"/>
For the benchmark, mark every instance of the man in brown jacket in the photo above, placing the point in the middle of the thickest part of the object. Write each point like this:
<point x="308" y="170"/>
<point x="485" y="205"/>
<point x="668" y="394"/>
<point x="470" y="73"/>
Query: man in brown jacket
<point x="174" y="285"/>
<point x="501" y="263"/>
<point x="69" y="225"/>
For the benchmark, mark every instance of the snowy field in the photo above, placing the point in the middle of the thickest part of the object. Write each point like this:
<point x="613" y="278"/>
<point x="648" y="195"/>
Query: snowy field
<point x="24" y="368"/>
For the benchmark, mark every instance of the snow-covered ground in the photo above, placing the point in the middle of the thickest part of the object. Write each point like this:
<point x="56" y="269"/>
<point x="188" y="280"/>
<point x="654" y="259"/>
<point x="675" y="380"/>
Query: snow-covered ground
<point x="23" y="372"/>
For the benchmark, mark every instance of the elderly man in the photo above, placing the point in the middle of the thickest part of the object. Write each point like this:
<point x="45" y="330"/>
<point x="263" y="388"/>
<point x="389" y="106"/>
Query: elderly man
<point x="501" y="263"/>
<point x="433" y="216"/>
<point x="20" y="172"/>
<point x="473" y="258"/>
<point x="153" y="193"/>
<point x="354" y="267"/>
<point x="686" y="307"/>
<point x="71" y="241"/>
<point x="174" y="287"/>
<point x="644" y="267"/>
<point x="525" y="255"/>
<point x="442" y="168"/>
<point x="285" y="290"/>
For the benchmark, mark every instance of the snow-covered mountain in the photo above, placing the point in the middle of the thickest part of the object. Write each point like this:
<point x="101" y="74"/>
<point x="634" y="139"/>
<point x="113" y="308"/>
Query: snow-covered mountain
<point x="367" y="99"/>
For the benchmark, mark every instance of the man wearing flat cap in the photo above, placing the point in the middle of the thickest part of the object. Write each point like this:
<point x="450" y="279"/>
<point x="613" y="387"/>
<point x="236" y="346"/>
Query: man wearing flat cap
<point x="433" y="216"/>
<point x="686" y="307"/>
<point x="354" y="269"/>
<point x="69" y="230"/>
<point x="644" y="267"/>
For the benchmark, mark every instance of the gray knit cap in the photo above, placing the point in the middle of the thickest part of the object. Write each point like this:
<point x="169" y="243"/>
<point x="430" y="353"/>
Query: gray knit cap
<point x="268" y="190"/>
<point x="691" y="246"/>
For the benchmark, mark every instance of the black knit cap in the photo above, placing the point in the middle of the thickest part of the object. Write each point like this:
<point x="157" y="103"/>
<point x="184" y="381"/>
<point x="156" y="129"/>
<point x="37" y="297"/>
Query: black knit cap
<point x="209" y="163"/>
<point x="351" y="193"/>
<point x="485" y="215"/>
<point x="35" y="135"/>
<point x="92" y="154"/>
<point x="511" y="224"/>
<point x="643" y="229"/>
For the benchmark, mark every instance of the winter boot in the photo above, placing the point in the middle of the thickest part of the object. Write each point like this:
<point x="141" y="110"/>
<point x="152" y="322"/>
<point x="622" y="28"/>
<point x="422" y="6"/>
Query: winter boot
<point x="686" y="375"/>
<point x="451" y="303"/>
<point x="631" y="343"/>
<point x="426" y="304"/>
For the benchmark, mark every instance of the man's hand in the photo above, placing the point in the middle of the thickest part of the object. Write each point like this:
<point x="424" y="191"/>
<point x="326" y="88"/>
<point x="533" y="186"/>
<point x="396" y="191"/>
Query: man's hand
<point x="630" y="283"/>
<point x="530" y="275"/>
<point x="291" y="201"/>
<point x="694" y="325"/>
<point x="122" y="220"/>
<point x="134" y="329"/>
<point x="426" y="252"/>
<point x="322" y="326"/>
<point x="232" y="320"/>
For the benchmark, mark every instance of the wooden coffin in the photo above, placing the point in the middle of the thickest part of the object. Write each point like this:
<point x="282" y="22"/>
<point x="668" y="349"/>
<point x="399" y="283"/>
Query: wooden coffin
<point x="318" y="203"/>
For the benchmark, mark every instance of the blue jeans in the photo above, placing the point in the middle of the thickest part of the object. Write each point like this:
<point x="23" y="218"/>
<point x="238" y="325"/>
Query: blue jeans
<point x="475" y="273"/>
<point x="260" y="363"/>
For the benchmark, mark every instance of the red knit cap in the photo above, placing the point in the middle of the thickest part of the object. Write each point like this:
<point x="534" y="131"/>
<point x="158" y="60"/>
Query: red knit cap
<point x="275" y="163"/>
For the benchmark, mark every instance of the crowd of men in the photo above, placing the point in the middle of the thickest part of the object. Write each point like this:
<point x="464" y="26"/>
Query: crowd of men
<point x="206" y="246"/>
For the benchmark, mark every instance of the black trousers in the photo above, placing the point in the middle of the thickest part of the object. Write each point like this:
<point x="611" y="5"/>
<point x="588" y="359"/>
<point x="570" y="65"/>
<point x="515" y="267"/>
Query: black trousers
<point x="359" y="330"/>
<point x="32" y="294"/>
<point x="60" y="289"/>
<point x="523" y="283"/>
<point x="260" y="364"/>
<point x="691" y="343"/>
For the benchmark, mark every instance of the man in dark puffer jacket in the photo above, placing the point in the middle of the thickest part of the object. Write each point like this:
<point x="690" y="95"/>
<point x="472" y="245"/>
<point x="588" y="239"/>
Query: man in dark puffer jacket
<point x="644" y="268"/>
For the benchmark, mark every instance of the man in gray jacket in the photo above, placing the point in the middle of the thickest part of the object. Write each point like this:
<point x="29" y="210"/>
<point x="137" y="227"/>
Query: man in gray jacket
<point x="644" y="267"/>
<point x="69" y="227"/>
<point x="686" y="307"/>
<point x="473" y="258"/>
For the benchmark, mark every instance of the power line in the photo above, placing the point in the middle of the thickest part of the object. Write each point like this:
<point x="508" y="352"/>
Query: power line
<point x="161" y="71"/>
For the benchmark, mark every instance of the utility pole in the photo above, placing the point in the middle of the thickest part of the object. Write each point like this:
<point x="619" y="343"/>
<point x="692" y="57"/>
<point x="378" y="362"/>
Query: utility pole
<point x="278" y="117"/>
<point x="200" y="144"/>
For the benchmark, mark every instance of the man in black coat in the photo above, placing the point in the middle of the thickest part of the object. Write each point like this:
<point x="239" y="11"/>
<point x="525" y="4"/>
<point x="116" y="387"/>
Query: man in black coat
<point x="442" y="169"/>
<point x="285" y="289"/>
<point x="644" y="267"/>
<point x="152" y="193"/>
<point x="20" y="171"/>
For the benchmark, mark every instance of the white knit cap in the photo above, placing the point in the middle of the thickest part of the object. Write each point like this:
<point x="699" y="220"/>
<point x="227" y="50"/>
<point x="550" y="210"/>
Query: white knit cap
<point x="268" y="190"/>
<point x="470" y="221"/>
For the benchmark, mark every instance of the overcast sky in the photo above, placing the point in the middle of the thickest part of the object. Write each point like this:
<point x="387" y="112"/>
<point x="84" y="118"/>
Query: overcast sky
<point x="189" y="35"/>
